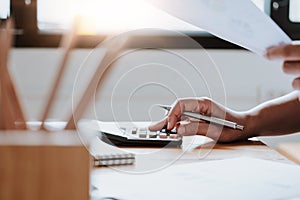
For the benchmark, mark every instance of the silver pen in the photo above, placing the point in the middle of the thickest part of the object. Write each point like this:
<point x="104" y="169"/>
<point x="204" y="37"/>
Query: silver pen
<point x="214" y="120"/>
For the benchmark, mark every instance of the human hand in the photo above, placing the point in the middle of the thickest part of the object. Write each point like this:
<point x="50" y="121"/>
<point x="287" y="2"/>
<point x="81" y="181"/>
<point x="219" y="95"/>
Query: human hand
<point x="186" y="126"/>
<point x="291" y="56"/>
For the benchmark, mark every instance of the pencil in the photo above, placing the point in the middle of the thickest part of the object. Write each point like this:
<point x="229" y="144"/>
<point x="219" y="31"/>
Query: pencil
<point x="12" y="116"/>
<point x="104" y="68"/>
<point x="67" y="44"/>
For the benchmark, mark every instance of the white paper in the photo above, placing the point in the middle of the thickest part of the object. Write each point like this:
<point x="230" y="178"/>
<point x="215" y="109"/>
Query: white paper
<point x="274" y="141"/>
<point x="237" y="21"/>
<point x="238" y="178"/>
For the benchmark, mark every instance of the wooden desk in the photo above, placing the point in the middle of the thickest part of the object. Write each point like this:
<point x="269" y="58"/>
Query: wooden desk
<point x="152" y="159"/>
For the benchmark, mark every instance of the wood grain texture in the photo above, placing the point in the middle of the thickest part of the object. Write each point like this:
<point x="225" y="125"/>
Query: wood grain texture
<point x="291" y="151"/>
<point x="44" y="166"/>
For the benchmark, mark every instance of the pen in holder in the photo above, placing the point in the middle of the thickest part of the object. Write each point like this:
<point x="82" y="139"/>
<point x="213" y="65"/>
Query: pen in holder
<point x="11" y="115"/>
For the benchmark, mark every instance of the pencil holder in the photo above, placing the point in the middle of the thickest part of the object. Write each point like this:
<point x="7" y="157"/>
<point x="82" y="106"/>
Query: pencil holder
<point x="42" y="165"/>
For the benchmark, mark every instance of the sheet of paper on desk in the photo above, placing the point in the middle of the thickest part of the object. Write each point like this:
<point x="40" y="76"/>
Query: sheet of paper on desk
<point x="237" y="21"/>
<point x="238" y="178"/>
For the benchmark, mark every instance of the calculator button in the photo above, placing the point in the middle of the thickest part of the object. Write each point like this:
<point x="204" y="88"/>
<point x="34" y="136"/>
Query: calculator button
<point x="134" y="131"/>
<point x="163" y="130"/>
<point x="152" y="135"/>
<point x="173" y="131"/>
<point x="143" y="134"/>
<point x="168" y="132"/>
<point x="173" y="136"/>
<point x="163" y="135"/>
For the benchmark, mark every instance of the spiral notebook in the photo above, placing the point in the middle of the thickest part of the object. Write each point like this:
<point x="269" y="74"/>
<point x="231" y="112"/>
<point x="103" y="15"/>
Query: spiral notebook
<point x="114" y="159"/>
<point x="107" y="155"/>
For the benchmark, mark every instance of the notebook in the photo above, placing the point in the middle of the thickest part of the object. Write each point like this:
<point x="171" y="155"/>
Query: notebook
<point x="103" y="154"/>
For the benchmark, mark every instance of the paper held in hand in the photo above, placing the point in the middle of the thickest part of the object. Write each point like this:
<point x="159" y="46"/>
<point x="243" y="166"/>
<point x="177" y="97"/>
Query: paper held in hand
<point x="236" y="21"/>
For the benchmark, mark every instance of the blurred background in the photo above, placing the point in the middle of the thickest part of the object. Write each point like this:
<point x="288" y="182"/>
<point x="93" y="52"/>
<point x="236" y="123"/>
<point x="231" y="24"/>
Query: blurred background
<point x="141" y="78"/>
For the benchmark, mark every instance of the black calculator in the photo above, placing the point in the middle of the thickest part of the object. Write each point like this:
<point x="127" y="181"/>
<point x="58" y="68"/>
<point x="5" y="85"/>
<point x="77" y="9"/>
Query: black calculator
<point x="137" y="134"/>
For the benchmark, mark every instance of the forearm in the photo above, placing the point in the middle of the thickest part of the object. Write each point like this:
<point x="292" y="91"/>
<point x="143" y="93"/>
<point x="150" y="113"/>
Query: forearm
<point x="278" y="116"/>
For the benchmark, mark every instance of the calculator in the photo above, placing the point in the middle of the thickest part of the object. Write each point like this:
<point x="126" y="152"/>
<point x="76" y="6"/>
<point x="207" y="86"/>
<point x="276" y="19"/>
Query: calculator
<point x="136" y="134"/>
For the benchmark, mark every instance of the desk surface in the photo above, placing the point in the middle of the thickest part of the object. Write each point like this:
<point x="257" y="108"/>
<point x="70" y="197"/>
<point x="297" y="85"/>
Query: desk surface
<point x="152" y="159"/>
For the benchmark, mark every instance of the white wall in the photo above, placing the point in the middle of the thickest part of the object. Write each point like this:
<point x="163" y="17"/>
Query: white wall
<point x="237" y="78"/>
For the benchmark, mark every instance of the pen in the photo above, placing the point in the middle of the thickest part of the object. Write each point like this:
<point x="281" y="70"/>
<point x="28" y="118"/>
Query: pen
<point x="208" y="119"/>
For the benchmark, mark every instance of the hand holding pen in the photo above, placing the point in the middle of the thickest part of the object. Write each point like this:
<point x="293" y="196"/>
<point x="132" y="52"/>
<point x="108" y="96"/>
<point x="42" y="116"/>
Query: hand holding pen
<point x="214" y="120"/>
<point x="218" y="122"/>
